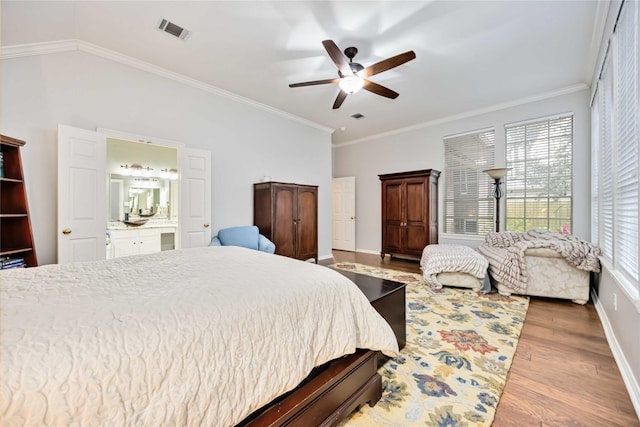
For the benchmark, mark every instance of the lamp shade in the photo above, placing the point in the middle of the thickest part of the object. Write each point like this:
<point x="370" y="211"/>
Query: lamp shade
<point x="351" y="84"/>
<point x="497" y="173"/>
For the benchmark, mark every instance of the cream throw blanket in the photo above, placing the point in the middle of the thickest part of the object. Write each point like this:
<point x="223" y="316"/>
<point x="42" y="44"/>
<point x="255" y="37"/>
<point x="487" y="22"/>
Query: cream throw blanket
<point x="506" y="252"/>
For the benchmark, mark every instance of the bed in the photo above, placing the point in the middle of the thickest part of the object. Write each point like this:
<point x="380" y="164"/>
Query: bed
<point x="201" y="336"/>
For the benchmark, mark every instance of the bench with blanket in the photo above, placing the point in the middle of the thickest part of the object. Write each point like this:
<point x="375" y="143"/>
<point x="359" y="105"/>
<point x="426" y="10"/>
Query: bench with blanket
<point x="541" y="263"/>
<point x="454" y="265"/>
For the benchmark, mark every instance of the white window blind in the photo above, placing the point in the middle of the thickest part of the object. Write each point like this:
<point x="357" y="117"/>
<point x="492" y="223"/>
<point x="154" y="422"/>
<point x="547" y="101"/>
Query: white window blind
<point x="605" y="174"/>
<point x="595" y="167"/>
<point x="468" y="203"/>
<point x="539" y="186"/>
<point x="616" y="145"/>
<point x="626" y="142"/>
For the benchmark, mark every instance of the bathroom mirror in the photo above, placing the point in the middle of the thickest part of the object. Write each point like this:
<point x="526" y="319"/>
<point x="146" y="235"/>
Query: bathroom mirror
<point x="139" y="197"/>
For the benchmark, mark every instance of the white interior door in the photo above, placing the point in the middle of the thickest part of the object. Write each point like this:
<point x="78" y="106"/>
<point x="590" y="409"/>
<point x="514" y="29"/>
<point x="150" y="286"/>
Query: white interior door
<point x="343" y="218"/>
<point x="195" y="193"/>
<point x="82" y="192"/>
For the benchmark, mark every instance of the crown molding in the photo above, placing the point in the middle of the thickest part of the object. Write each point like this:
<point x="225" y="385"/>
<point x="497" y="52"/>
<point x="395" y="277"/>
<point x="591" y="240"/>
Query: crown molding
<point x="35" y="49"/>
<point x="522" y="101"/>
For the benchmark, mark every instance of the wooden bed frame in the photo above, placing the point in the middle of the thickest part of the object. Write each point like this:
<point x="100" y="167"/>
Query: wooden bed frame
<point x="327" y="396"/>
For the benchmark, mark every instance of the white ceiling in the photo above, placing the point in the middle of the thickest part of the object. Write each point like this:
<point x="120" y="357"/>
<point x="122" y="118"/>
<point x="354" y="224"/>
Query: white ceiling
<point x="471" y="55"/>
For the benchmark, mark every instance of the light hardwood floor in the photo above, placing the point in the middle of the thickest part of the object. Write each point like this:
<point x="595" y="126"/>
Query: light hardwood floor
<point x="563" y="371"/>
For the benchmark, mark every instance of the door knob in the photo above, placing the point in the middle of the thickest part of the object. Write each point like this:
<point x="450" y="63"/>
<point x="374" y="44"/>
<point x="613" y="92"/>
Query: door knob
<point x="353" y="217"/>
<point x="66" y="231"/>
<point x="206" y="225"/>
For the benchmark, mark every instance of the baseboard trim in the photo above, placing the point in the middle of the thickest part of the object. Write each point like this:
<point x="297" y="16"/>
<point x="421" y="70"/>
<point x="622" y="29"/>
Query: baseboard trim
<point x="633" y="388"/>
<point x="367" y="251"/>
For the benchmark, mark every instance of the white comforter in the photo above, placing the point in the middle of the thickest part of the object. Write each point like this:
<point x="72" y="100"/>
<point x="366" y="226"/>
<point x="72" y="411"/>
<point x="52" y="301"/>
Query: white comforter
<point x="194" y="337"/>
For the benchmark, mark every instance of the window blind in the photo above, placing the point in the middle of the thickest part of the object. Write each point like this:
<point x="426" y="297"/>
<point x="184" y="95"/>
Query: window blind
<point x="468" y="202"/>
<point x="625" y="159"/>
<point x="539" y="186"/>
<point x="605" y="175"/>
<point x="595" y="166"/>
<point x="616" y="146"/>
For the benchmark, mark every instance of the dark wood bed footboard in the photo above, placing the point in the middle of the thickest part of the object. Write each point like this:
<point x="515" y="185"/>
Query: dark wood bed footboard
<point x="327" y="396"/>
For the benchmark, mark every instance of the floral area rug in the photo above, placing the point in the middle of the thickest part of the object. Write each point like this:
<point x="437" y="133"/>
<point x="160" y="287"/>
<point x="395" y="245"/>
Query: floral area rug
<point x="460" y="345"/>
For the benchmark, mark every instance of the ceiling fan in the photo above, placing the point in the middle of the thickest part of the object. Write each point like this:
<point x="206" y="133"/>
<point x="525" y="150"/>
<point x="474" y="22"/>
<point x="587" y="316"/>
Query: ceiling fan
<point x="353" y="76"/>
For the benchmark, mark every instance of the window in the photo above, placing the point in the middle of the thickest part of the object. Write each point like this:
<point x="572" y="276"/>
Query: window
<point x="468" y="203"/>
<point x="539" y="186"/>
<point x="615" y="159"/>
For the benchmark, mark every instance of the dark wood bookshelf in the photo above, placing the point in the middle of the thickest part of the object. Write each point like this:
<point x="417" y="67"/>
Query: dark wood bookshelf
<point x="16" y="235"/>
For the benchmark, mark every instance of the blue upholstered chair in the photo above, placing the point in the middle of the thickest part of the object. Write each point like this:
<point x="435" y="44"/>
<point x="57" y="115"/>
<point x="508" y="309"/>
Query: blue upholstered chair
<point x="246" y="236"/>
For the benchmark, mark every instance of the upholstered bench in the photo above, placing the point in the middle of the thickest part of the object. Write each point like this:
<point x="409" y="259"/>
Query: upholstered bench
<point x="551" y="276"/>
<point x="541" y="263"/>
<point x="454" y="265"/>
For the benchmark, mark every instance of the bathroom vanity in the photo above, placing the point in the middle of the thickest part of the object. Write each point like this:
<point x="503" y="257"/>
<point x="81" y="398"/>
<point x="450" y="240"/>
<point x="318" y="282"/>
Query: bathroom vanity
<point x="141" y="215"/>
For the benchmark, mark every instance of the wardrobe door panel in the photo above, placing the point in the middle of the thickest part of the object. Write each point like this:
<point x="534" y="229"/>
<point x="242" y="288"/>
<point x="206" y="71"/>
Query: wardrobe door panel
<point x="307" y="223"/>
<point x="393" y="203"/>
<point x="284" y="236"/>
<point x="416" y="202"/>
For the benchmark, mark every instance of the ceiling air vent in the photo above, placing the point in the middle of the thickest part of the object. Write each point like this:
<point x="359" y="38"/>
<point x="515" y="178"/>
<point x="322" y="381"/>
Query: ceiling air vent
<point x="357" y="116"/>
<point x="173" y="29"/>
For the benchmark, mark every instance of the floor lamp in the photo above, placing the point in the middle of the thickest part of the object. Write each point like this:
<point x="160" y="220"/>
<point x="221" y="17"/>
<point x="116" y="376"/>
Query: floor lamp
<point x="497" y="175"/>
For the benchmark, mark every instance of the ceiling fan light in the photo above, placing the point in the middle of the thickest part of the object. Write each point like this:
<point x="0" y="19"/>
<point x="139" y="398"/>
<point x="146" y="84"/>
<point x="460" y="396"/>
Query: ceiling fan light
<point x="351" y="84"/>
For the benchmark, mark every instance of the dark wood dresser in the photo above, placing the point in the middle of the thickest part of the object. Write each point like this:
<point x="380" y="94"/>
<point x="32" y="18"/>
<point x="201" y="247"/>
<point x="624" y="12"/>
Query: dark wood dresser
<point x="409" y="212"/>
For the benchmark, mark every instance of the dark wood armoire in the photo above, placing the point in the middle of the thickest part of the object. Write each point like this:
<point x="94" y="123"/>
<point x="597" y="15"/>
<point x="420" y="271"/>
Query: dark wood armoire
<point x="287" y="214"/>
<point x="409" y="212"/>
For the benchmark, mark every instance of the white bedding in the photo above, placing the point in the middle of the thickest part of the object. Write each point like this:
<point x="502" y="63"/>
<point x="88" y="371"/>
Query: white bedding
<point x="194" y="337"/>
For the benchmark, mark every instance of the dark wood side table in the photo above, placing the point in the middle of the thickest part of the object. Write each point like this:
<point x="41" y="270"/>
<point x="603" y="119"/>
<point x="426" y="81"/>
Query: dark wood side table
<point x="387" y="297"/>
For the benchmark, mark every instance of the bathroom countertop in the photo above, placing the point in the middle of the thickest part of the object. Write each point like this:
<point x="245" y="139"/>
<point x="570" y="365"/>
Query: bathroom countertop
<point x="158" y="223"/>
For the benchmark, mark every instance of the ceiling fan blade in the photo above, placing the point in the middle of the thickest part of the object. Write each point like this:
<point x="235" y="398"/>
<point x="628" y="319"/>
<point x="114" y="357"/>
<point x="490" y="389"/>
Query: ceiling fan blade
<point x="338" y="58"/>
<point x="339" y="99"/>
<point x="387" y="64"/>
<point x="379" y="90"/>
<point x="314" y="82"/>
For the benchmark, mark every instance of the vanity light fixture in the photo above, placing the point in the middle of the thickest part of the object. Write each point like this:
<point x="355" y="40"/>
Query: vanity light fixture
<point x="136" y="170"/>
<point x="171" y="174"/>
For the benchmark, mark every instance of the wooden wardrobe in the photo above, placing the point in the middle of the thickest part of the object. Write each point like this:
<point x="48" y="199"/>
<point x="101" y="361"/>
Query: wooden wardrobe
<point x="287" y="214"/>
<point x="409" y="212"/>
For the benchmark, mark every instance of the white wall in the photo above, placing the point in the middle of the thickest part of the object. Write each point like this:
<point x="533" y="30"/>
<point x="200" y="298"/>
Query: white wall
<point x="423" y="148"/>
<point x="88" y="91"/>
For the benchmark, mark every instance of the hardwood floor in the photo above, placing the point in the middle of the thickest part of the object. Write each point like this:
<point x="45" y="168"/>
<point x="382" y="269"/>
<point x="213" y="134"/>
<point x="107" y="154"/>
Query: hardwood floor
<point x="563" y="371"/>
